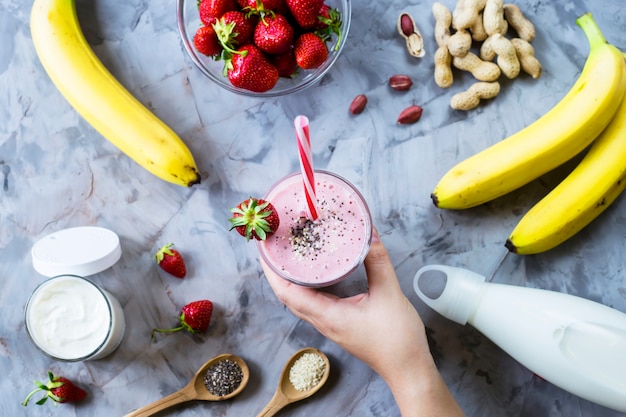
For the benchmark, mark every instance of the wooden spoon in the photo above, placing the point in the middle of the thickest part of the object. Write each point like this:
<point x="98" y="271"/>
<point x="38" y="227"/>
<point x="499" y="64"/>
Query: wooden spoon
<point x="195" y="389"/>
<point x="286" y="393"/>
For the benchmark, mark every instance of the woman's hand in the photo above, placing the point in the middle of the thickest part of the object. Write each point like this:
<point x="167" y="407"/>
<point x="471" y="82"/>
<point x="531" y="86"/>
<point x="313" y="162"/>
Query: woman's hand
<point x="380" y="327"/>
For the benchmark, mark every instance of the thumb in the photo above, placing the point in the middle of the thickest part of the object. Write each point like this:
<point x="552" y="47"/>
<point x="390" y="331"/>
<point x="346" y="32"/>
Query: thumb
<point x="378" y="265"/>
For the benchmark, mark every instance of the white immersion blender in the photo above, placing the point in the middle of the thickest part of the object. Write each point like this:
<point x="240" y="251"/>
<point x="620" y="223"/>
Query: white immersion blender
<point x="576" y="344"/>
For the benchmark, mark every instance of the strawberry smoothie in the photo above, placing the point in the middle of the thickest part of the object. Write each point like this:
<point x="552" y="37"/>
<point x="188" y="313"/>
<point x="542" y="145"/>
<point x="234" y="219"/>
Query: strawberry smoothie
<point x="70" y="318"/>
<point x="321" y="252"/>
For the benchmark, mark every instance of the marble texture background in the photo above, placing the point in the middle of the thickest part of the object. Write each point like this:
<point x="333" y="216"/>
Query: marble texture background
<point x="57" y="172"/>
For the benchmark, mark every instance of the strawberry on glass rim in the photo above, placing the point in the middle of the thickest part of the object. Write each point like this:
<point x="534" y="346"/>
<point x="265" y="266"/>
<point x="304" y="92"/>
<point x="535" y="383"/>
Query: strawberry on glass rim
<point x="254" y="219"/>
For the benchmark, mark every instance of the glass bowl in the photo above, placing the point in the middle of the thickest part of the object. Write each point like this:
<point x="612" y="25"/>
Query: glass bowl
<point x="189" y="22"/>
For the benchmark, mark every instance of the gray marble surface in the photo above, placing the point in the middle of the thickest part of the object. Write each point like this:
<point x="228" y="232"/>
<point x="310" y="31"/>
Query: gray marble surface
<point x="57" y="172"/>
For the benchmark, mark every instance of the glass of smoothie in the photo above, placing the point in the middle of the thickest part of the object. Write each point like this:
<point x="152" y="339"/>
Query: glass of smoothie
<point x="70" y="318"/>
<point x="325" y="251"/>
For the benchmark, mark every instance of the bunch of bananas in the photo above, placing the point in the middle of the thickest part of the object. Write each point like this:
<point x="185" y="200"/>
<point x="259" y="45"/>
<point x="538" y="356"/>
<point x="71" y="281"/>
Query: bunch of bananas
<point x="592" y="113"/>
<point x="97" y="96"/>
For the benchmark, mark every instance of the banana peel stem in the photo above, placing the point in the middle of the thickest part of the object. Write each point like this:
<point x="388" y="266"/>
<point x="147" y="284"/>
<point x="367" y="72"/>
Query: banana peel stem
<point x="591" y="29"/>
<point x="510" y="246"/>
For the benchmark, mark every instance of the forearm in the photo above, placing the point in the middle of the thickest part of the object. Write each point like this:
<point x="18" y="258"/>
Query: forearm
<point x="423" y="393"/>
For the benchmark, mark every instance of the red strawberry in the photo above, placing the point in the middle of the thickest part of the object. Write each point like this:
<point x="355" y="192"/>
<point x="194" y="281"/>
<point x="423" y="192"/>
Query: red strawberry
<point x="249" y="69"/>
<point x="329" y="24"/>
<point x="254" y="218"/>
<point x="195" y="317"/>
<point x="311" y="51"/>
<point x="282" y="8"/>
<point x="285" y="63"/>
<point x="323" y="16"/>
<point x="305" y="12"/>
<point x="234" y="28"/>
<point x="211" y="10"/>
<point x="273" y="34"/>
<point x="206" y="42"/>
<point x="260" y="7"/>
<point x="171" y="261"/>
<point x="60" y="389"/>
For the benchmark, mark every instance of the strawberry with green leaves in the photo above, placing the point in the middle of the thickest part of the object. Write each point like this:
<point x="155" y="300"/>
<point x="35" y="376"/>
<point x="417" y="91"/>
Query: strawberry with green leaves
<point x="323" y="17"/>
<point x="273" y="34"/>
<point x="254" y="219"/>
<point x="250" y="69"/>
<point x="329" y="24"/>
<point x="261" y="8"/>
<point x="206" y="42"/>
<point x="235" y="28"/>
<point x="194" y="317"/>
<point x="59" y="389"/>
<point x="171" y="261"/>
<point x="310" y="50"/>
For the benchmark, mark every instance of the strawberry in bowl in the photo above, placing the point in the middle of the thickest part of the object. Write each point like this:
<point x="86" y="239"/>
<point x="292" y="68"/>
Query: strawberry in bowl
<point x="291" y="46"/>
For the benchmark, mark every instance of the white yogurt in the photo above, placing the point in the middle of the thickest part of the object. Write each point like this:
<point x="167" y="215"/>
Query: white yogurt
<point x="70" y="318"/>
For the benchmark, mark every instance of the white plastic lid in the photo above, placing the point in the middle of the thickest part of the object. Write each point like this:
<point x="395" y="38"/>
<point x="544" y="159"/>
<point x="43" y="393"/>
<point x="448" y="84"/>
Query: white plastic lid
<point x="450" y="291"/>
<point x="81" y="251"/>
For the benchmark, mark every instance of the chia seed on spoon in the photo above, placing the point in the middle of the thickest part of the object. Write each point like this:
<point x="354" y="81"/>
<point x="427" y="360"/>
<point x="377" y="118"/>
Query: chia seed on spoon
<point x="223" y="377"/>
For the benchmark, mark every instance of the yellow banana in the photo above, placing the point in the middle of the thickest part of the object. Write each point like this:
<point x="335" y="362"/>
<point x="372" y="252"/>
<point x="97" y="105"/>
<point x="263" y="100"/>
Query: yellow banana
<point x="586" y="192"/>
<point x="98" y="97"/>
<point x="559" y="135"/>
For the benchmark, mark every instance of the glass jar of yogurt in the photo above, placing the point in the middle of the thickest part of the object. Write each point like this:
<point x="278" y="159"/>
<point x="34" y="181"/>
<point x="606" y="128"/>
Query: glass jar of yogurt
<point x="72" y="319"/>
<point x="69" y="317"/>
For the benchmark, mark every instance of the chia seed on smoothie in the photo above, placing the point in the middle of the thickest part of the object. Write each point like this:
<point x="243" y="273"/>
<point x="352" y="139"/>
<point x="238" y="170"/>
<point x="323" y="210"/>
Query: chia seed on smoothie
<point x="323" y="251"/>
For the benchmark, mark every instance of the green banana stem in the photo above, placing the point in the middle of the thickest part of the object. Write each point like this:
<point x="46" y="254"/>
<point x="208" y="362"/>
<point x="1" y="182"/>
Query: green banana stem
<point x="591" y="29"/>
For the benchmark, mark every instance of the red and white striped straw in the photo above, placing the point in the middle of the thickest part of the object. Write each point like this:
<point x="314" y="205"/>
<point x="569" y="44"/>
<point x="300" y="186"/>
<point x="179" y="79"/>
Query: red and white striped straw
<point x="306" y="164"/>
